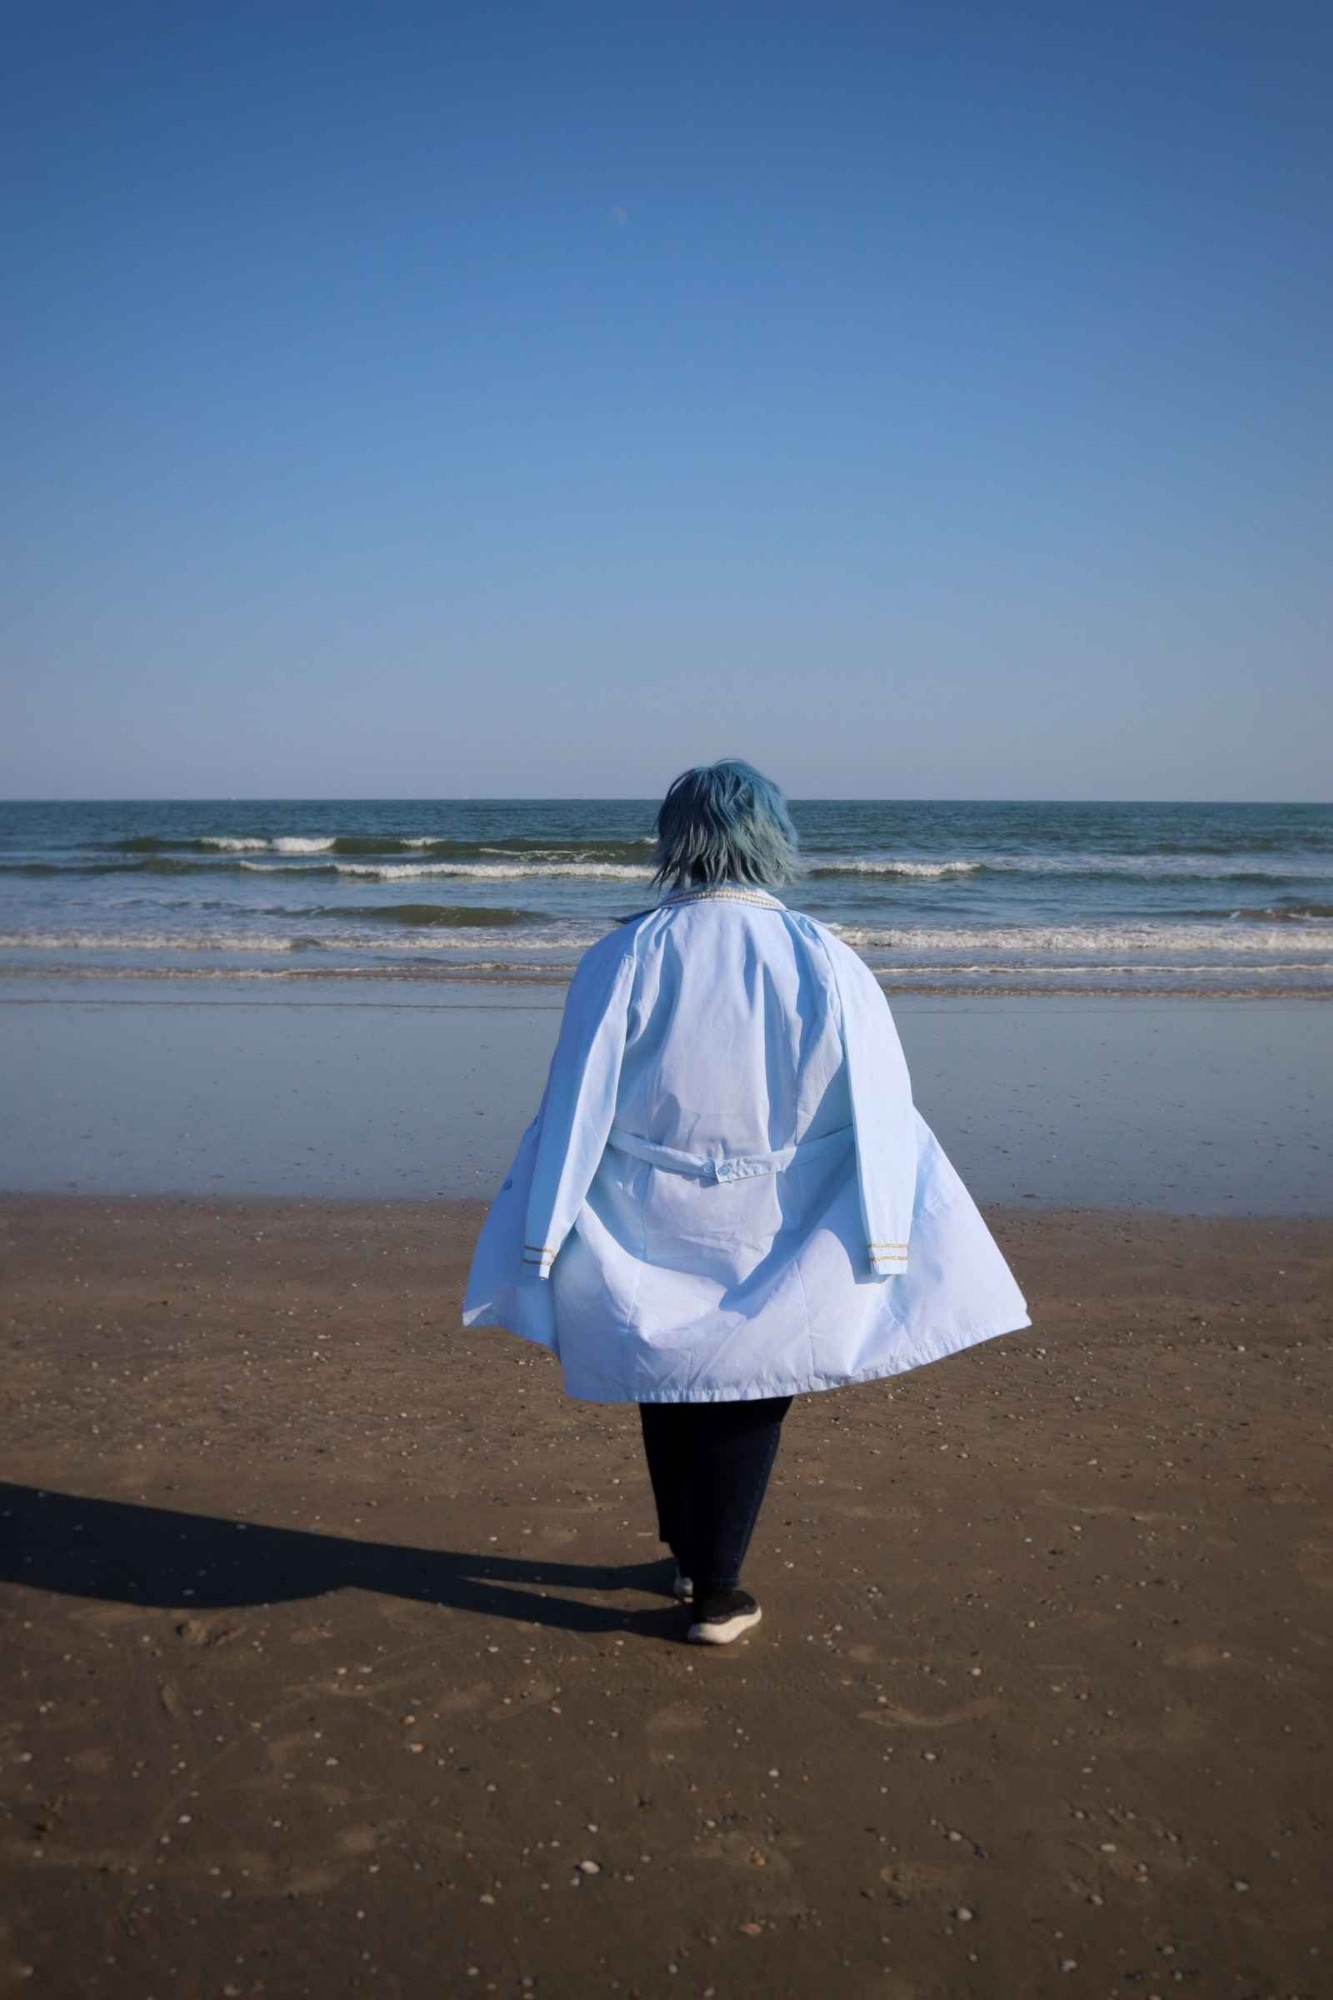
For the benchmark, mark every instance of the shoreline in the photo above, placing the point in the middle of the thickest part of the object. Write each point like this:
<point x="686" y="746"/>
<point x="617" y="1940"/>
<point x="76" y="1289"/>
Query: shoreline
<point x="1027" y="986"/>
<point x="463" y="1208"/>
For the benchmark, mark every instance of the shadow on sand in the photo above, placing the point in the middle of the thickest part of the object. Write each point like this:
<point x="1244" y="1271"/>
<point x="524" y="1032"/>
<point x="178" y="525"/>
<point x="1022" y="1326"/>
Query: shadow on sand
<point x="124" y="1553"/>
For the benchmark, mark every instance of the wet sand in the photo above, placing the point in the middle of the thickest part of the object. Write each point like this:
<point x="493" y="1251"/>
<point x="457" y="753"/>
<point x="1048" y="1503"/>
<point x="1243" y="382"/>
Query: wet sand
<point x="421" y="1091"/>
<point x="337" y="1660"/>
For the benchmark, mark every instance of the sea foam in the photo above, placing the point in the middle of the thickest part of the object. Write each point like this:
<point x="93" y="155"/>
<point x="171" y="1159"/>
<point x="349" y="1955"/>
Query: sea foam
<point x="480" y="871"/>
<point x="1037" y="941"/>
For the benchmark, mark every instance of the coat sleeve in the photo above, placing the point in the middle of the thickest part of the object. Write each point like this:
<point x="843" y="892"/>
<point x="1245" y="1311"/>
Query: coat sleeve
<point x="882" y="1112"/>
<point x="579" y="1103"/>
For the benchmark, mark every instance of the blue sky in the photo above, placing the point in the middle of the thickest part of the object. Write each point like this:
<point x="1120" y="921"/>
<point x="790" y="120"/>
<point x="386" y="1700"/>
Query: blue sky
<point x="921" y="400"/>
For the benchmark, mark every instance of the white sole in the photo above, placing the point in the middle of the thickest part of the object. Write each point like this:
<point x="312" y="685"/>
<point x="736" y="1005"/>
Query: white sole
<point x="720" y="1632"/>
<point x="683" y="1591"/>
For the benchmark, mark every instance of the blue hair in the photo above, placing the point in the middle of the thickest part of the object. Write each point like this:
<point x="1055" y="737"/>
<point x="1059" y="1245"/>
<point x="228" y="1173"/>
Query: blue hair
<point x="723" y="822"/>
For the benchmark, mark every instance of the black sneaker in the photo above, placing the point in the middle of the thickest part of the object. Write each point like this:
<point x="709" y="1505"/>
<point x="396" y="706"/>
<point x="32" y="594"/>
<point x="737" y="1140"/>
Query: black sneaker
<point x="722" y="1616"/>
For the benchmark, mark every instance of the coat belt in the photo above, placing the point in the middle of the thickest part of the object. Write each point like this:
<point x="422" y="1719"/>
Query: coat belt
<point x="733" y="1166"/>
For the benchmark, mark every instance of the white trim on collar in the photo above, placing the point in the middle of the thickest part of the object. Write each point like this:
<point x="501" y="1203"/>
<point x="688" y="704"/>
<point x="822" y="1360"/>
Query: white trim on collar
<point x="723" y="892"/>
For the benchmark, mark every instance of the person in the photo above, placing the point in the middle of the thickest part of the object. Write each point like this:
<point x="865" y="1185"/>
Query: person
<point x="727" y="1197"/>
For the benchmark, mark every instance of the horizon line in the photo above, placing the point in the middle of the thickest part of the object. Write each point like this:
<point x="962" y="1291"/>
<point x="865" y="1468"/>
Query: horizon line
<point x="622" y="798"/>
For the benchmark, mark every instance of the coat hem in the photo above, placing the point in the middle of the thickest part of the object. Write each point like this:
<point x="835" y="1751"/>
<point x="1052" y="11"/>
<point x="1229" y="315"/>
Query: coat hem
<point x="814" y="1384"/>
<point x="489" y="1315"/>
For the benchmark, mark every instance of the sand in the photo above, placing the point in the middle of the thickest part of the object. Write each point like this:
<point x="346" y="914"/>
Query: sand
<point x="337" y="1657"/>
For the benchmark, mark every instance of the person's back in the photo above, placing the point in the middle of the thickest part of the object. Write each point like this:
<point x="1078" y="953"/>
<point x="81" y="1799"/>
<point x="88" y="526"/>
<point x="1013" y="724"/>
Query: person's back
<point x="727" y="1197"/>
<point x="732" y="1047"/>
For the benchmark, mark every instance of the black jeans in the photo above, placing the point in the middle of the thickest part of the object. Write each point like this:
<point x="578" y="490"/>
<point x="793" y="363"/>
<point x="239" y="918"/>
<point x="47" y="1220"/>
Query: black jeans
<point x="709" y="1464"/>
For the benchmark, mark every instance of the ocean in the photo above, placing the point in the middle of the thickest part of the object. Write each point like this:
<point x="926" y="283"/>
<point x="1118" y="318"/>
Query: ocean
<point x="938" y="895"/>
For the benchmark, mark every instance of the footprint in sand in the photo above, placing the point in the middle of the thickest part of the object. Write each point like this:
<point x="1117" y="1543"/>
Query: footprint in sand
<point x="769" y="1878"/>
<point x="910" y="1880"/>
<point x="206" y="1631"/>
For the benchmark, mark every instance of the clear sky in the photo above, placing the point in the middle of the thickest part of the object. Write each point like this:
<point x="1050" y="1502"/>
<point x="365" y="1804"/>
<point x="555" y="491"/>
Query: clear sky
<point x="430" y="399"/>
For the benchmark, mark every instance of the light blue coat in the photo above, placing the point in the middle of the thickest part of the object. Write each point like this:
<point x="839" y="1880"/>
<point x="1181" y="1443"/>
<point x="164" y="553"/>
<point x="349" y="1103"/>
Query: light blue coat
<point x="727" y="1191"/>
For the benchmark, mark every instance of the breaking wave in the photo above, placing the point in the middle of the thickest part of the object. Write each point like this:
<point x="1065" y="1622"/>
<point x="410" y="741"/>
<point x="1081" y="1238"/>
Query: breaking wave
<point x="919" y="870"/>
<point x="476" y="871"/>
<point x="592" y="849"/>
<point x="429" y="916"/>
<point x="1103" y="941"/>
<point x="1144" y="868"/>
<point x="413" y="934"/>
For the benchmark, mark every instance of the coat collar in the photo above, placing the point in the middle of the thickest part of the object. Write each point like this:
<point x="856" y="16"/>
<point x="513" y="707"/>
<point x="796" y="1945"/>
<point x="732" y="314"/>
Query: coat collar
<point x="724" y="892"/>
<point x="720" y="892"/>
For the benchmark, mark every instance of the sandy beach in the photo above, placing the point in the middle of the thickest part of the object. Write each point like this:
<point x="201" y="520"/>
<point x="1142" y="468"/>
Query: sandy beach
<point x="338" y="1658"/>
<point x="708" y="622"/>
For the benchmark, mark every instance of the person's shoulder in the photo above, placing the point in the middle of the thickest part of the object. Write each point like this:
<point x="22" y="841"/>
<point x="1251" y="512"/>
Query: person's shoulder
<point x="815" y="932"/>
<point x="632" y="918"/>
<point x="611" y="952"/>
<point x="611" y="947"/>
<point x="845" y="963"/>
